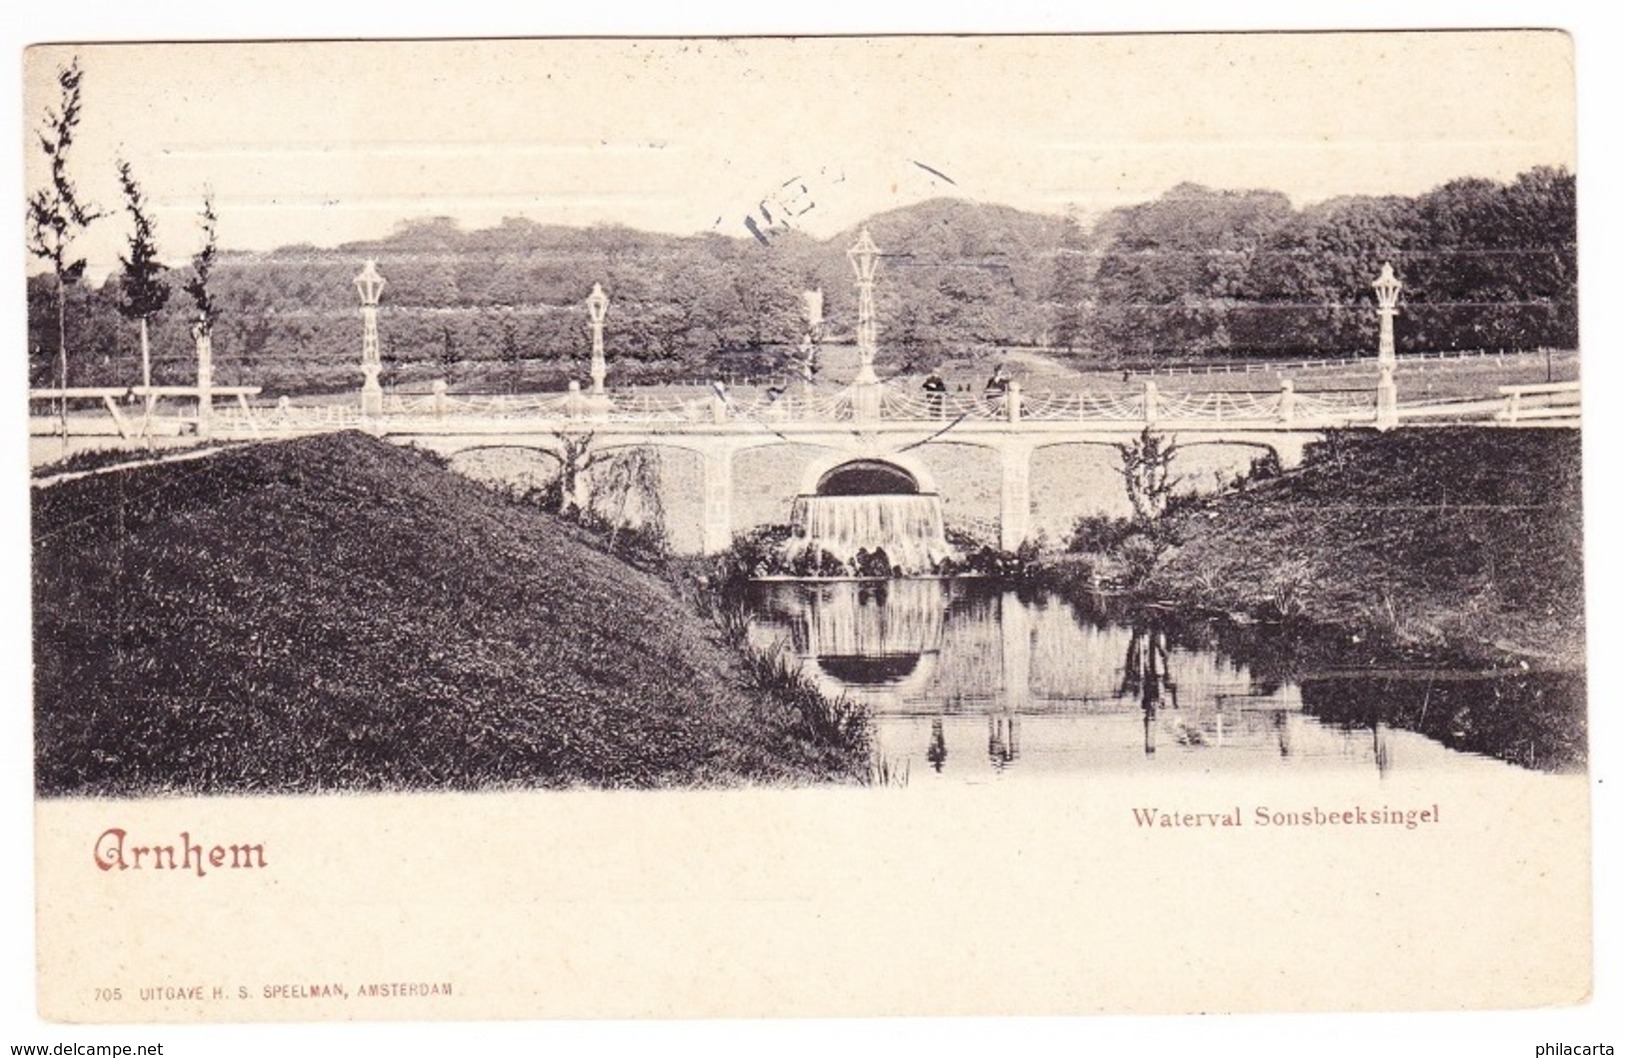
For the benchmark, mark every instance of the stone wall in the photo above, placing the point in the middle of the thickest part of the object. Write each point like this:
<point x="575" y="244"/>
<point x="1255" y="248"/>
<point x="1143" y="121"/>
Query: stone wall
<point x="522" y="469"/>
<point x="1068" y="481"/>
<point x="765" y="481"/>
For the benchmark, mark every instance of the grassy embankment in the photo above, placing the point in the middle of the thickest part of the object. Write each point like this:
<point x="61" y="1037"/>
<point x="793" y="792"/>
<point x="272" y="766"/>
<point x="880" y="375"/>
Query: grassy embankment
<point x="1459" y="543"/>
<point x="335" y="613"/>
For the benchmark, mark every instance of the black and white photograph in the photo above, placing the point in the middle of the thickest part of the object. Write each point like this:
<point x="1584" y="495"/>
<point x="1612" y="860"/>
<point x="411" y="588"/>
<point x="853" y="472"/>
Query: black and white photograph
<point x="806" y="526"/>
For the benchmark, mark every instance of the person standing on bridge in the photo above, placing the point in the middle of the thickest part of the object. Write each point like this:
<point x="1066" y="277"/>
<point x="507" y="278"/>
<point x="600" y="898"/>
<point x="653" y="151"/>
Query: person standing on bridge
<point x="997" y="386"/>
<point x="934" y="388"/>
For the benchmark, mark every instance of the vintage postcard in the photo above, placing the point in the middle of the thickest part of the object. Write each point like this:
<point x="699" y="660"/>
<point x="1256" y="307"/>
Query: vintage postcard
<point x="823" y="526"/>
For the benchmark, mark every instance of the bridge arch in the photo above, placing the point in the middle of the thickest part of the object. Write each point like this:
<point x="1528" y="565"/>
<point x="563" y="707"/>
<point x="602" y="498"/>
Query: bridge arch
<point x="867" y="477"/>
<point x="516" y="466"/>
<point x="1288" y="447"/>
<point x="857" y="474"/>
<point x="1016" y="473"/>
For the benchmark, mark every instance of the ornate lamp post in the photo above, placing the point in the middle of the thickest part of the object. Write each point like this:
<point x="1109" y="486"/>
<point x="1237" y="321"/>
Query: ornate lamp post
<point x="864" y="257"/>
<point x="369" y="284"/>
<point x="205" y="378"/>
<point x="1387" y="286"/>
<point x="597" y="307"/>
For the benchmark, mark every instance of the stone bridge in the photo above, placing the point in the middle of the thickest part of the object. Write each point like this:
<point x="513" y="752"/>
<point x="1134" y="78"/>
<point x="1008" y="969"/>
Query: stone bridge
<point x="1007" y="468"/>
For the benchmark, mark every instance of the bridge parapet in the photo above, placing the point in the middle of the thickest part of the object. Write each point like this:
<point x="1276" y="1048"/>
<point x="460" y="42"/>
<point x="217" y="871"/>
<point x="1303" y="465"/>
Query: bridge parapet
<point x="718" y="413"/>
<point x="885" y="408"/>
<point x="893" y="403"/>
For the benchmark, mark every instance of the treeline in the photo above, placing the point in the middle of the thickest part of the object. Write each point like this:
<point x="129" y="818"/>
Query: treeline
<point x="1203" y="272"/>
<point x="505" y="307"/>
<point x="1195" y="273"/>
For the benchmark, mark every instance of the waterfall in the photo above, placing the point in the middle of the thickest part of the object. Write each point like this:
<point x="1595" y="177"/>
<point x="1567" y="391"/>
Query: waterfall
<point x="907" y="526"/>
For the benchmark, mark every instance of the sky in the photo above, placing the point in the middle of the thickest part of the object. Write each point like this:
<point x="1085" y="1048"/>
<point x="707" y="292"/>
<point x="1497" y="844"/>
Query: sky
<point x="327" y="143"/>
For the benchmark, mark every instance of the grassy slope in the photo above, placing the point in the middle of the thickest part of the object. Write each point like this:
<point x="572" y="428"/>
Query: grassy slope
<point x="1466" y="541"/>
<point x="338" y="613"/>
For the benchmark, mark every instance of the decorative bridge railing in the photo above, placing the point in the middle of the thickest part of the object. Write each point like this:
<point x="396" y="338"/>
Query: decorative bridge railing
<point x="893" y="403"/>
<point x="135" y="414"/>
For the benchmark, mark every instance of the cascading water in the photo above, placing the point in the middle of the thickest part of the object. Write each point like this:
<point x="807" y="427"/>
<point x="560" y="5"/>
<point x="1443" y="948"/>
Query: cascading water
<point x="907" y="527"/>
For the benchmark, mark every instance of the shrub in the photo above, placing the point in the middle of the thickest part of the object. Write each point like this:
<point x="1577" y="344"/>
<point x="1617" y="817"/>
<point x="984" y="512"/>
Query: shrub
<point x="1098" y="534"/>
<point x="1286" y="590"/>
<point x="1140" y="554"/>
<point x="1265" y="467"/>
<point x="1262" y="468"/>
<point x="1032" y="549"/>
<point x="756" y="553"/>
<point x="1333" y="449"/>
<point x="1146" y="469"/>
<point x="969" y="538"/>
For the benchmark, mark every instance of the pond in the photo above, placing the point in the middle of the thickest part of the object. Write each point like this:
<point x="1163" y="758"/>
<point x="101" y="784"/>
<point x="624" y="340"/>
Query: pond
<point x="975" y="681"/>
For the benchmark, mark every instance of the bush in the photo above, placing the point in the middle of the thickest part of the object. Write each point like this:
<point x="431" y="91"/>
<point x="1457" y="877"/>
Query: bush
<point x="1286" y="591"/>
<point x="1098" y="534"/>
<point x="1147" y="473"/>
<point x="838" y="723"/>
<point x="966" y="540"/>
<point x="759" y="552"/>
<point x="1262" y="468"/>
<point x="1140" y="554"/>
<point x="1334" y="449"/>
<point x="1265" y="467"/>
<point x="644" y="546"/>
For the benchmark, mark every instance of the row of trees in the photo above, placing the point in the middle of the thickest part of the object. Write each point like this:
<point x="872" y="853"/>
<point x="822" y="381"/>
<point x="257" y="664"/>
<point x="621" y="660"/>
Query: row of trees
<point x="1195" y="273"/>
<point x="505" y="305"/>
<point x="1203" y="272"/>
<point x="56" y="216"/>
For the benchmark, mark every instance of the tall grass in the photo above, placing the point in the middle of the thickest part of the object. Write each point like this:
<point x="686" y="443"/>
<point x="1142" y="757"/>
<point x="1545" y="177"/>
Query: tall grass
<point x="1286" y="590"/>
<point x="776" y="676"/>
<point x="837" y="722"/>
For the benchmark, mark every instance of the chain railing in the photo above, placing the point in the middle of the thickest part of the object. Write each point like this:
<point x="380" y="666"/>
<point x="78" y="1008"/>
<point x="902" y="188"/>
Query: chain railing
<point x="893" y="402"/>
<point x="1327" y="403"/>
<point x="1220" y="406"/>
<point x="287" y="416"/>
<point x="889" y="402"/>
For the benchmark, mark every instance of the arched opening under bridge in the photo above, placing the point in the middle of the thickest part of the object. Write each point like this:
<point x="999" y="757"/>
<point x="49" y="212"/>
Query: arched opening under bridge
<point x="868" y="477"/>
<point x="867" y="517"/>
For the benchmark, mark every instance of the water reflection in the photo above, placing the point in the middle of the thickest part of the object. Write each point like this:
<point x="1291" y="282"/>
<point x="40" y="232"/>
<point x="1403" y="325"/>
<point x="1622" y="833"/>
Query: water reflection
<point x="1003" y="741"/>
<point x="984" y="681"/>
<point x="1145" y="676"/>
<point x="936" y="754"/>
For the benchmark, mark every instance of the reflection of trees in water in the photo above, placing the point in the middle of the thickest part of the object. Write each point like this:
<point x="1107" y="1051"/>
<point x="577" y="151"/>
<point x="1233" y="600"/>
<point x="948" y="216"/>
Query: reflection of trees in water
<point x="1145" y="668"/>
<point x="985" y="649"/>
<point x="1003" y="740"/>
<point x="975" y="599"/>
<point x="1146" y="677"/>
<point x="1535" y="720"/>
<point x="937" y="752"/>
<point x="1274" y="655"/>
<point x="1092" y="609"/>
<point x="1283" y="732"/>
